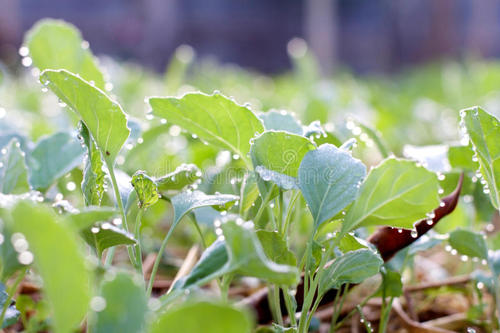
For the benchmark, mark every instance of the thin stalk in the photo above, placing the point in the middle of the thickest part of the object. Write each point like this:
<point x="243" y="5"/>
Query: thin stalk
<point x="277" y="305"/>
<point x="280" y="212"/>
<point x="224" y="286"/>
<point x="338" y="307"/>
<point x="366" y="323"/>
<point x="290" y="308"/>
<point x="198" y="229"/>
<point x="157" y="261"/>
<point x="384" y="318"/>
<point x="11" y="292"/>
<point x="138" y="252"/>
<point x="263" y="205"/>
<point x="119" y="202"/>
<point x="352" y="312"/>
<point x="289" y="210"/>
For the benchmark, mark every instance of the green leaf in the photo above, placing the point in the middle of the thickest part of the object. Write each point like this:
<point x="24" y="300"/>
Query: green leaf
<point x="103" y="117"/>
<point x="460" y="158"/>
<point x="249" y="191"/>
<point x="283" y="181"/>
<point x="275" y="248"/>
<point x="146" y="189"/>
<point x="55" y="44"/>
<point x="213" y="118"/>
<point x="52" y="158"/>
<point x="60" y="261"/>
<point x="391" y="284"/>
<point x="280" y="152"/>
<point x="469" y="243"/>
<point x="123" y="294"/>
<point x="247" y="257"/>
<point x="13" y="174"/>
<point x="184" y="175"/>
<point x="93" y="174"/>
<point x="396" y="193"/>
<point x="213" y="263"/>
<point x="203" y="316"/>
<point x="350" y="243"/>
<point x="281" y="121"/>
<point x="484" y="132"/>
<point x="104" y="235"/>
<point x="352" y="267"/>
<point x="11" y="314"/>
<point x="87" y="217"/>
<point x="329" y="179"/>
<point x="8" y="255"/>
<point x="184" y="202"/>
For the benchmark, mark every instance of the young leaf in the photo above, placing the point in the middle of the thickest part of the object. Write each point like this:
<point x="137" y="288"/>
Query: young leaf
<point x="55" y="44"/>
<point x="52" y="158"/>
<point x="103" y="117"/>
<point x="213" y="263"/>
<point x="281" y="121"/>
<point x="280" y="151"/>
<point x="395" y="193"/>
<point x="104" y="235"/>
<point x="184" y="175"/>
<point x="11" y="314"/>
<point x="484" y="132"/>
<point x="89" y="216"/>
<point x="13" y="174"/>
<point x="93" y="175"/>
<point x="186" y="201"/>
<point x="60" y="261"/>
<point x="146" y="189"/>
<point x="203" y="316"/>
<point x="213" y="118"/>
<point x="248" y="258"/>
<point x="275" y="248"/>
<point x="122" y="294"/>
<point x="469" y="243"/>
<point x="461" y="158"/>
<point x="329" y="179"/>
<point x="352" y="267"/>
<point x="391" y="284"/>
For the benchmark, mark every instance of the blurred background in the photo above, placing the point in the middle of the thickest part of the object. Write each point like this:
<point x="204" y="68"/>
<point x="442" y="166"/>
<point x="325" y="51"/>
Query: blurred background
<point x="363" y="35"/>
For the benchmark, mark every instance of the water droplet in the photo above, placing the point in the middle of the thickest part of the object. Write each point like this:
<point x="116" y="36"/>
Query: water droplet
<point x="70" y="186"/>
<point x="24" y="51"/>
<point x="27" y="61"/>
<point x="25" y="257"/>
<point x="85" y="44"/>
<point x="97" y="303"/>
<point x="414" y="233"/>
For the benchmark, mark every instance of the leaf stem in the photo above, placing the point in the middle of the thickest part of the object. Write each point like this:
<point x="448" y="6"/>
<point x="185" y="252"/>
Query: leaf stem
<point x="157" y="261"/>
<point x="288" y="216"/>
<point x="138" y="252"/>
<point x="290" y="307"/>
<point x="277" y="305"/>
<point x="118" y="198"/>
<point x="263" y="205"/>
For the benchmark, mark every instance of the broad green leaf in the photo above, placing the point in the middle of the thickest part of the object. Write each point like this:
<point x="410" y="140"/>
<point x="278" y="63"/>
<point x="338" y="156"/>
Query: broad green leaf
<point x="104" y="235"/>
<point x="396" y="193"/>
<point x="281" y="121"/>
<point x="87" y="217"/>
<point x="203" y="316"/>
<point x="484" y="132"/>
<point x="60" y="261"/>
<point x="283" y="181"/>
<point x="352" y="267"/>
<point x="184" y="202"/>
<point x="350" y="243"/>
<point x="280" y="152"/>
<point x="461" y="158"/>
<point x="145" y="188"/>
<point x="52" y="158"/>
<point x="13" y="174"/>
<point x="213" y="263"/>
<point x="247" y="257"/>
<point x="55" y="44"/>
<point x="11" y="314"/>
<point x="93" y="174"/>
<point x="469" y="243"/>
<point x="103" y="117"/>
<point x="275" y="248"/>
<point x="329" y="179"/>
<point x="213" y="118"/>
<point x="126" y="305"/>
<point x="184" y="175"/>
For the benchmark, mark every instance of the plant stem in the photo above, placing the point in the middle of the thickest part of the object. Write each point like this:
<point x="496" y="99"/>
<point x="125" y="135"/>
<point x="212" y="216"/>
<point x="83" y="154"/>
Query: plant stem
<point x="10" y="293"/>
<point x="263" y="205"/>
<point x="280" y="213"/>
<point x="119" y="202"/>
<point x="338" y="307"/>
<point x="277" y="305"/>
<point x="138" y="253"/>
<point x="288" y="216"/>
<point x="366" y="323"/>
<point x="353" y="311"/>
<point x="384" y="318"/>
<point x="290" y="308"/>
<point x="157" y="261"/>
